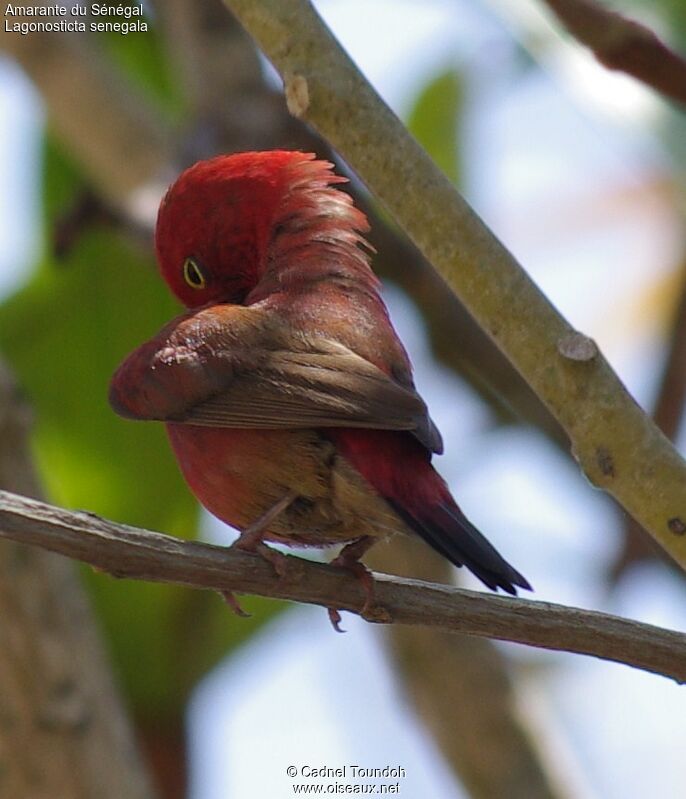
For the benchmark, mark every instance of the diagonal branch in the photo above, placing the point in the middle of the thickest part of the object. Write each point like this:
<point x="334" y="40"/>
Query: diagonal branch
<point x="619" y="448"/>
<point x="624" y="45"/>
<point x="668" y="415"/>
<point x="125" y="551"/>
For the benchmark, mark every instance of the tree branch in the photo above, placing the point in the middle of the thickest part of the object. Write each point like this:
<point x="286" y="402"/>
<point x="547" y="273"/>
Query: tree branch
<point x="624" y="45"/>
<point x="619" y="448"/>
<point x="668" y="415"/>
<point x="130" y="552"/>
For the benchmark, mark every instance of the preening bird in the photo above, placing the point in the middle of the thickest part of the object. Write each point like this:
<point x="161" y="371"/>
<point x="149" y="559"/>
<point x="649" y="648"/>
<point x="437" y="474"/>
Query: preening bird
<point x="287" y="395"/>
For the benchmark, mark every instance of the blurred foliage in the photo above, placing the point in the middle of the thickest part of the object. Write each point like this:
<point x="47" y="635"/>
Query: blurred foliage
<point x="434" y="118"/>
<point x="143" y="58"/>
<point x="666" y="17"/>
<point x="64" y="334"/>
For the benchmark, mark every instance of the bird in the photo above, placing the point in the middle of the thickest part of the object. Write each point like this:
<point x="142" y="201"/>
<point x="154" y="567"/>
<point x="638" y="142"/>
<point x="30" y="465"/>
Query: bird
<point x="287" y="395"/>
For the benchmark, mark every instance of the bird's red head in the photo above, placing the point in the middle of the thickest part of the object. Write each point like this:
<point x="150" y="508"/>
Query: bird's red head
<point x="217" y="221"/>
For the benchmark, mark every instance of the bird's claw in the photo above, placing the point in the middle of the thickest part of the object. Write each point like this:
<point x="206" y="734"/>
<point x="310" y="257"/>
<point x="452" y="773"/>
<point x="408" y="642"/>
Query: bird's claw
<point x="365" y="577"/>
<point x="348" y="559"/>
<point x="278" y="560"/>
<point x="232" y="601"/>
<point x="285" y="567"/>
<point x="335" y="619"/>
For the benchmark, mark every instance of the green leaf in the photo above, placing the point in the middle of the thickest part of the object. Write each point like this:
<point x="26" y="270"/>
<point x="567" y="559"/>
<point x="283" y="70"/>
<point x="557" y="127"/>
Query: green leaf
<point x="434" y="119"/>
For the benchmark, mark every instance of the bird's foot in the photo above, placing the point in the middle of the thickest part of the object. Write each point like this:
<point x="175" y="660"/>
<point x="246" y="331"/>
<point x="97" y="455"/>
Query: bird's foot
<point x="285" y="567"/>
<point x="251" y="539"/>
<point x="335" y="619"/>
<point x="349" y="559"/>
<point x="232" y="601"/>
<point x="278" y="560"/>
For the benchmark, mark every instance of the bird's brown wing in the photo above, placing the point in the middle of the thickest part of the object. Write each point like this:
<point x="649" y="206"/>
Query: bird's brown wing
<point x="222" y="370"/>
<point x="327" y="386"/>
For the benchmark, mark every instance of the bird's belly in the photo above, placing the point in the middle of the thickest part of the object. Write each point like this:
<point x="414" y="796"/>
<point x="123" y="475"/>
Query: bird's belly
<point x="238" y="475"/>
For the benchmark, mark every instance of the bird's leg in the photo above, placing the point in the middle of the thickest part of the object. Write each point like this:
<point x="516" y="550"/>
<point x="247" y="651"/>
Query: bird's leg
<point x="251" y="540"/>
<point x="253" y="534"/>
<point x="349" y="558"/>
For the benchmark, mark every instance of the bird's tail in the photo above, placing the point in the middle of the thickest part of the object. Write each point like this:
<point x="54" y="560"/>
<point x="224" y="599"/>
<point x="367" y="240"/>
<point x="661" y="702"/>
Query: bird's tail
<point x="399" y="468"/>
<point x="445" y="528"/>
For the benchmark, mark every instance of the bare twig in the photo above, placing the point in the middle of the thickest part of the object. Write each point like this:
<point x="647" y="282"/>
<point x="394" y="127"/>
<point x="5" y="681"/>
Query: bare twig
<point x="625" y="45"/>
<point x="141" y="554"/>
<point x="619" y="448"/>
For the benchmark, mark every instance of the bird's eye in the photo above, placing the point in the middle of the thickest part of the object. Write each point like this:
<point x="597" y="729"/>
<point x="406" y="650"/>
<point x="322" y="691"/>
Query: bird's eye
<point x="192" y="274"/>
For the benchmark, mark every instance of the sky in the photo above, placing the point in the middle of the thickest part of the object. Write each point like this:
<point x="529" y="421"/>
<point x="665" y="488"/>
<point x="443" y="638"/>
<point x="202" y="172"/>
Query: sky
<point x="580" y="194"/>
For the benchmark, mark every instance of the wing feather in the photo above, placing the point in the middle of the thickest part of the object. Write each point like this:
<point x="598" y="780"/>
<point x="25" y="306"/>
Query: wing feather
<point x="214" y="367"/>
<point x="315" y="389"/>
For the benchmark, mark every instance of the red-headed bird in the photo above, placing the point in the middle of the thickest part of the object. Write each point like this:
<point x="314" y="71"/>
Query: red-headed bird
<point x="288" y="397"/>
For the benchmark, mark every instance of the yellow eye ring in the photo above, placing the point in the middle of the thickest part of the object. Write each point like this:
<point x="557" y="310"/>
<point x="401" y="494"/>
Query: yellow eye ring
<point x="192" y="274"/>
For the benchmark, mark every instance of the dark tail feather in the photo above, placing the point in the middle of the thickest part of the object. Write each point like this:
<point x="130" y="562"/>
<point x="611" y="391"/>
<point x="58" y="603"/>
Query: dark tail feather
<point x="449" y="532"/>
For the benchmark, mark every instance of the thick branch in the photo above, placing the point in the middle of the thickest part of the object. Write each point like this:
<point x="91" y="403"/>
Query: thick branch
<point x="625" y="45"/>
<point x="668" y="416"/>
<point x="140" y="554"/>
<point x="618" y="446"/>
